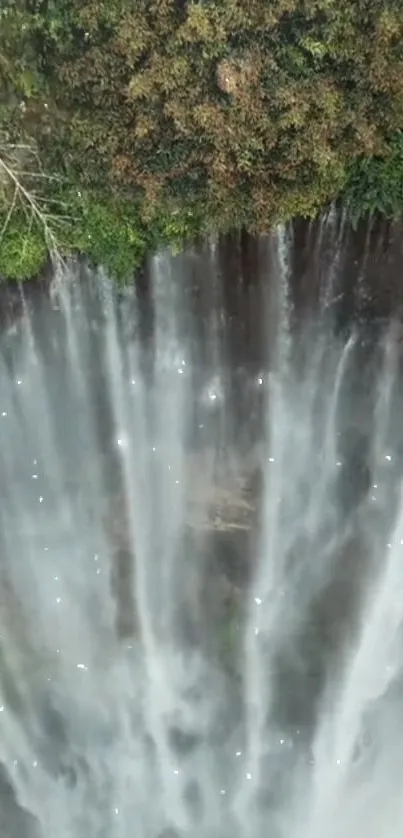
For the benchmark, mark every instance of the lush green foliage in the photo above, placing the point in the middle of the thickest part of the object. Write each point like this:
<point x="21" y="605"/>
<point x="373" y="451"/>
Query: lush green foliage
<point x="175" y="116"/>
<point x="108" y="229"/>
<point x="375" y="184"/>
<point x="23" y="250"/>
<point x="110" y="232"/>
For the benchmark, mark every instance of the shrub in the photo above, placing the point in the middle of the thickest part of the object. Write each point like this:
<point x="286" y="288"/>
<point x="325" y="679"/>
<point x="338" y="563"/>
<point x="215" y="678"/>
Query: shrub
<point x="375" y="184"/>
<point x="23" y="251"/>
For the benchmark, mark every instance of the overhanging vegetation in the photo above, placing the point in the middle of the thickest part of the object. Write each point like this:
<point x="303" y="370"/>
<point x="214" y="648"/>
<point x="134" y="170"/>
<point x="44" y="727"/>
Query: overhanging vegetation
<point x="159" y="120"/>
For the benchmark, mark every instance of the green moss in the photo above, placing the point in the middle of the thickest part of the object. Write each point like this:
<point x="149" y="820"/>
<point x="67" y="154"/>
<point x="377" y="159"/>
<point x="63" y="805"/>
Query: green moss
<point x="229" y="634"/>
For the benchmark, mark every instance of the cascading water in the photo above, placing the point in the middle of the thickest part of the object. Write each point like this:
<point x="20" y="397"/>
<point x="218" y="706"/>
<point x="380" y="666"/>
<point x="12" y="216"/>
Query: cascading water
<point x="201" y="600"/>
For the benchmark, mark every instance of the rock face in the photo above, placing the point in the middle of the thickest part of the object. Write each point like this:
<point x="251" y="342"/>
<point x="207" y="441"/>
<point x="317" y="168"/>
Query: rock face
<point x="222" y="499"/>
<point x="226" y="510"/>
<point x="214" y="560"/>
<point x="215" y="500"/>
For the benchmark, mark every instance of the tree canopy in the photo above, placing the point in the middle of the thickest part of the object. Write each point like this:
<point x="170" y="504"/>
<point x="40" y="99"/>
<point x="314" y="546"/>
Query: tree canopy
<point x="205" y="115"/>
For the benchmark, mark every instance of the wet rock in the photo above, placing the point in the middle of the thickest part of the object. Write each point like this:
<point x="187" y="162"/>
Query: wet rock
<point x="15" y="821"/>
<point x="182" y="742"/>
<point x="355" y="475"/>
<point x="194" y="799"/>
<point x="169" y="832"/>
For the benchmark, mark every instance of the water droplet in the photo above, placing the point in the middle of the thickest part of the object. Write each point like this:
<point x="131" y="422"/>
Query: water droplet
<point x="180" y="371"/>
<point x="222" y="791"/>
<point x="338" y="761"/>
<point x="248" y="776"/>
<point x="58" y="600"/>
<point x="40" y="499"/>
<point x="96" y="557"/>
<point x="338" y="464"/>
<point x="238" y="753"/>
<point x="373" y="497"/>
<point x="82" y="666"/>
<point x="133" y="381"/>
<point x="19" y="382"/>
<point x="375" y="486"/>
<point x="177" y="482"/>
<point x="35" y="764"/>
<point x="116" y="811"/>
<point x="213" y="396"/>
<point x="98" y="571"/>
<point x="282" y="741"/>
<point x="56" y="578"/>
<point x="258" y="600"/>
<point x="271" y="459"/>
<point x="389" y="546"/>
<point x="388" y="458"/>
<point x="176" y="771"/>
<point x="2" y="708"/>
<point x="154" y="449"/>
<point x="34" y="476"/>
<point x="4" y="413"/>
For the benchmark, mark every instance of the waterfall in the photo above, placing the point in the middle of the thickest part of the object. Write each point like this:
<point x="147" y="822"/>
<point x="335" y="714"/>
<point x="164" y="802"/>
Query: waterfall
<point x="201" y="529"/>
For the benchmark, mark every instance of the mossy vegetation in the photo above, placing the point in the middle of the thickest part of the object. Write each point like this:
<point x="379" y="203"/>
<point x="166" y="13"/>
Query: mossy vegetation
<point x="176" y="117"/>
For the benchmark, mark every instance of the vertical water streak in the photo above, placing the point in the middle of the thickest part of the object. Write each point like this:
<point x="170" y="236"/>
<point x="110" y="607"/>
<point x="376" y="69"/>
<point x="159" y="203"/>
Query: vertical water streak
<point x="267" y="588"/>
<point x="374" y="662"/>
<point x="330" y="290"/>
<point x="151" y="556"/>
<point x="361" y="292"/>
